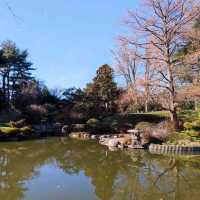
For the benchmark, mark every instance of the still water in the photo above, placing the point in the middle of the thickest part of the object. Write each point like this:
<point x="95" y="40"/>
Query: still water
<point x="63" y="169"/>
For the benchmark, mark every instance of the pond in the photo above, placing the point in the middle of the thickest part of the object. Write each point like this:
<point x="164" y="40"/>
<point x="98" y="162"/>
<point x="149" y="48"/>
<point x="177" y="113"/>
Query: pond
<point x="65" y="169"/>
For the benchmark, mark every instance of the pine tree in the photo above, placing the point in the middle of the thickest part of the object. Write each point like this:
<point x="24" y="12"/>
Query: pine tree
<point x="14" y="68"/>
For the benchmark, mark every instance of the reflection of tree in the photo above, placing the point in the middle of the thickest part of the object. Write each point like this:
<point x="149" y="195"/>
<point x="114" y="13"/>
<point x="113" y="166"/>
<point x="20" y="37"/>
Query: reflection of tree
<point x="167" y="176"/>
<point x="8" y="189"/>
<point x="13" y="170"/>
<point x="19" y="162"/>
<point x="179" y="174"/>
<point x="100" y="166"/>
<point x="159" y="177"/>
<point x="121" y="175"/>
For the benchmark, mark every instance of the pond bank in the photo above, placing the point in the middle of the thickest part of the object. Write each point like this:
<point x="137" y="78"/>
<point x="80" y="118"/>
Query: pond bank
<point x="131" y="141"/>
<point x="129" y="138"/>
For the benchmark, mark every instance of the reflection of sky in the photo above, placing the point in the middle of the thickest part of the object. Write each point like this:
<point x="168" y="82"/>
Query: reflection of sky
<point x="143" y="179"/>
<point x="52" y="183"/>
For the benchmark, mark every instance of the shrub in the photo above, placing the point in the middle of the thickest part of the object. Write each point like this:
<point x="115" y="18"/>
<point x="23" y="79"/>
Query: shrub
<point x="155" y="133"/>
<point x="183" y="138"/>
<point x="165" y="125"/>
<point x="196" y="124"/>
<point x="178" y="138"/>
<point x="92" y="122"/>
<point x="96" y="126"/>
<point x="192" y="125"/>
<point x="172" y="139"/>
<point x="191" y="133"/>
<point x="188" y="125"/>
<point x="188" y="115"/>
<point x="36" y="112"/>
<point x="112" y="126"/>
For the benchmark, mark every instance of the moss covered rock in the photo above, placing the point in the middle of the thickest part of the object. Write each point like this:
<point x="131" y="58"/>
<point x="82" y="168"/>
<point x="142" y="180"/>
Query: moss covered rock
<point x="10" y="132"/>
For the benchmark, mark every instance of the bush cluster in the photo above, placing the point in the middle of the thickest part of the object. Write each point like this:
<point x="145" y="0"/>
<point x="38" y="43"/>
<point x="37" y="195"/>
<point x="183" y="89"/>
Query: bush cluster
<point x="192" y="125"/>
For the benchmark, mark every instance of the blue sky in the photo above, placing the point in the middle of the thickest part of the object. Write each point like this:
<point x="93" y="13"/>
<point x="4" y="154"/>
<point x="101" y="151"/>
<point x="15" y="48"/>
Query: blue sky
<point x="67" y="39"/>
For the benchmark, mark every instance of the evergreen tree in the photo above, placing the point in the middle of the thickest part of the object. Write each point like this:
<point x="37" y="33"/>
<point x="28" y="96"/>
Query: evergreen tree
<point x="15" y="69"/>
<point x="104" y="89"/>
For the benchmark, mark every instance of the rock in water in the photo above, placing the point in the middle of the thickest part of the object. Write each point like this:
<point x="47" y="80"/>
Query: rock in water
<point x="94" y="137"/>
<point x="65" y="129"/>
<point x="113" y="142"/>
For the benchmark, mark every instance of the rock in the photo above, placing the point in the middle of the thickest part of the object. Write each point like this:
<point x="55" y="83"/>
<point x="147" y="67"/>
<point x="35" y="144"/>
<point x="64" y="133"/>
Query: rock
<point x="122" y="135"/>
<point x="80" y="135"/>
<point x="145" y="141"/>
<point x="133" y="131"/>
<point x="135" y="140"/>
<point x="85" y="136"/>
<point x="103" y="141"/>
<point x="113" y="142"/>
<point x="65" y="129"/>
<point x="104" y="136"/>
<point x="75" y="135"/>
<point x="116" y="142"/>
<point x="125" y="141"/>
<point x="121" y="146"/>
<point x="94" y="137"/>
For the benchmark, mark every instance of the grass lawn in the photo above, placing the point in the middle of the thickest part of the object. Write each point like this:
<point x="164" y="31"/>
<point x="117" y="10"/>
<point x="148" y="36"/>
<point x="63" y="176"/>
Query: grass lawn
<point x="134" y="118"/>
<point x="189" y="115"/>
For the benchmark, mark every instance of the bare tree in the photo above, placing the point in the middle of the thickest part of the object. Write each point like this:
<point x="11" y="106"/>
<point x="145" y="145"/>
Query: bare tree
<point x="147" y="87"/>
<point x="126" y="65"/>
<point x="160" y="31"/>
<point x="126" y="61"/>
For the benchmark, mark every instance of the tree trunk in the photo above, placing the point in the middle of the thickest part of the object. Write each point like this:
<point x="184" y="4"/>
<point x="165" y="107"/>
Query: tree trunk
<point x="106" y="107"/>
<point x="174" y="119"/>
<point x="8" y="90"/>
<point x="147" y="86"/>
<point x="173" y="113"/>
<point x="146" y="106"/>
<point x="196" y="105"/>
<point x="173" y="116"/>
<point x="4" y="88"/>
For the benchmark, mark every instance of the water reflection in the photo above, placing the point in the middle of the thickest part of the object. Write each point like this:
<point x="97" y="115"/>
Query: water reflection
<point x="94" y="172"/>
